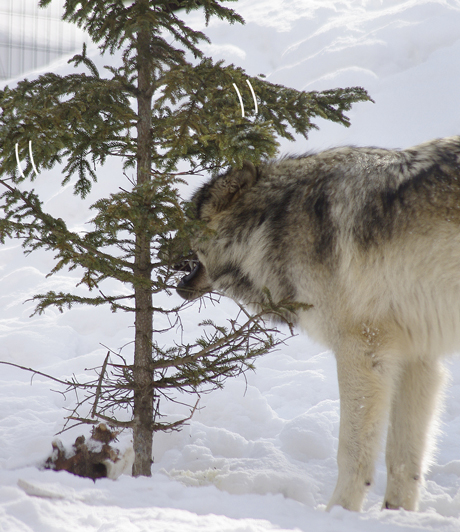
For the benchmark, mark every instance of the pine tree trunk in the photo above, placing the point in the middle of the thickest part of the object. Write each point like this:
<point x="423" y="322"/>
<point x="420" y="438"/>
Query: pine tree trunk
<point x="143" y="393"/>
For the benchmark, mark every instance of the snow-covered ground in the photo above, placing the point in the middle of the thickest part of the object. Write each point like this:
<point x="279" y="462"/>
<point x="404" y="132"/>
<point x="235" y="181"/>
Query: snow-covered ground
<point x="260" y="454"/>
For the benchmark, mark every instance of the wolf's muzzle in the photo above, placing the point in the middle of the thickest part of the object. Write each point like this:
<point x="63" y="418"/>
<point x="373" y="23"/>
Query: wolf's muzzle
<point x="182" y="288"/>
<point x="189" y="286"/>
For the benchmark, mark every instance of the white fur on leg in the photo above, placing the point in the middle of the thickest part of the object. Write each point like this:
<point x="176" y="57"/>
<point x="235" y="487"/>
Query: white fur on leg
<point x="365" y="384"/>
<point x="415" y="403"/>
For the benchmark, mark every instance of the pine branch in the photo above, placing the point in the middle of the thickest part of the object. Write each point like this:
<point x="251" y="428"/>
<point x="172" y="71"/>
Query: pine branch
<point x="56" y="228"/>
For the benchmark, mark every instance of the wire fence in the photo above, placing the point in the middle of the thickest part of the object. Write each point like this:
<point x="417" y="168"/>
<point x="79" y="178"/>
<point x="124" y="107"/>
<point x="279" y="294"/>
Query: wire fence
<point x="31" y="37"/>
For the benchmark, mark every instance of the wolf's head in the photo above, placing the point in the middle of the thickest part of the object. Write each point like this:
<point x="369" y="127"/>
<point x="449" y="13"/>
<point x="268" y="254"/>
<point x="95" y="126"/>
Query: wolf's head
<point x="212" y="203"/>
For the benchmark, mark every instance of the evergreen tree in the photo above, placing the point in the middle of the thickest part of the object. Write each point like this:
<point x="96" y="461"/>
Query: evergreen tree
<point x="165" y="104"/>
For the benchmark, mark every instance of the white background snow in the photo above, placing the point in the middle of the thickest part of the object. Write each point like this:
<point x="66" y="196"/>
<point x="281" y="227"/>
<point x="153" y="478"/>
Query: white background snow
<point x="260" y="454"/>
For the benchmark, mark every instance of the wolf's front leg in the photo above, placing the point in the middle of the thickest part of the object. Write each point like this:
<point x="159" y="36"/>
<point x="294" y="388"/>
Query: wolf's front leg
<point x="415" y="402"/>
<point x="365" y="385"/>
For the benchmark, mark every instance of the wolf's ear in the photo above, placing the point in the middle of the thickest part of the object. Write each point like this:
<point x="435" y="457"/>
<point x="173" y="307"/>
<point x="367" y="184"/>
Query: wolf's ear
<point x="229" y="187"/>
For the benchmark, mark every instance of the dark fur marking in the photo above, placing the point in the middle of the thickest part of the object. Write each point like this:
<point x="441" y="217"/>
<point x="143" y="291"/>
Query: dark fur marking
<point x="323" y="226"/>
<point x="261" y="219"/>
<point x="238" y="279"/>
<point x="383" y="210"/>
<point x="200" y="198"/>
<point x="278" y="211"/>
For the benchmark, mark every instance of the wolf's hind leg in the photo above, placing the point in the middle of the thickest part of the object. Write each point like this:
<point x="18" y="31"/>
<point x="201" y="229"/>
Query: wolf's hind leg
<point x="414" y="405"/>
<point x="365" y="385"/>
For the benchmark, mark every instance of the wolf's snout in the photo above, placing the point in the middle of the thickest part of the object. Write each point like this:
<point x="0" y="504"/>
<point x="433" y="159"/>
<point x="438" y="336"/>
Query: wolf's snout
<point x="188" y="287"/>
<point x="187" y="278"/>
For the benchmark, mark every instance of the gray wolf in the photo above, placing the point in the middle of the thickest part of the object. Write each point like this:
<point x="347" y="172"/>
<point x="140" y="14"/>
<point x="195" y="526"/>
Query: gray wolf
<point x="371" y="239"/>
